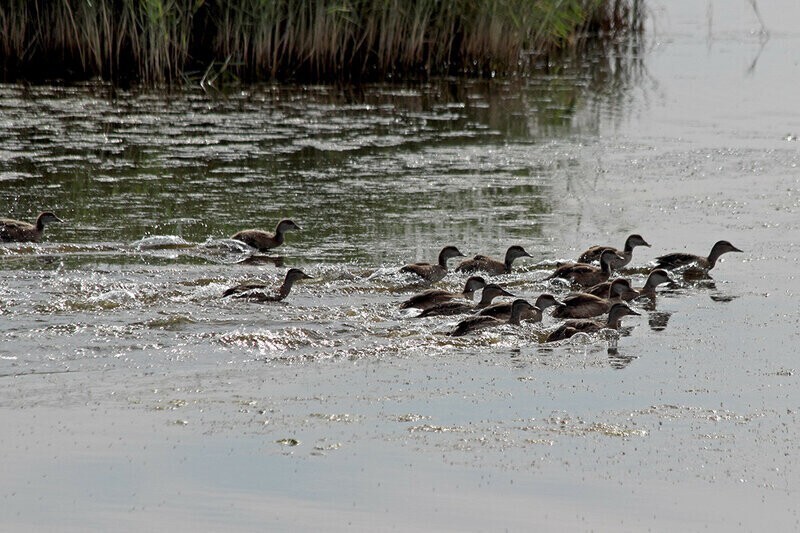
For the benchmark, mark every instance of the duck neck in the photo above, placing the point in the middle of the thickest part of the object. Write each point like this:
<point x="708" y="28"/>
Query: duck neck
<point x="485" y="300"/>
<point x="605" y="267"/>
<point x="613" y="321"/>
<point x="649" y="288"/>
<point x="516" y="315"/>
<point x="283" y="290"/>
<point x="507" y="264"/>
<point x="712" y="258"/>
<point x="279" y="235"/>
<point x="443" y="260"/>
<point x="40" y="223"/>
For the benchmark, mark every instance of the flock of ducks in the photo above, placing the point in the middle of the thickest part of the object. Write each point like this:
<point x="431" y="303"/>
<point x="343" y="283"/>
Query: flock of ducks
<point x="596" y="292"/>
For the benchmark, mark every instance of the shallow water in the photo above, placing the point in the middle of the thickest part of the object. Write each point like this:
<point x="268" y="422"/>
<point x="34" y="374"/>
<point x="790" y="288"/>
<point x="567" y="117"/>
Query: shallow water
<point x="135" y="397"/>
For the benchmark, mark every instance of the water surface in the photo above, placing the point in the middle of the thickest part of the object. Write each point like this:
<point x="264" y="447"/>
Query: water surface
<point x="134" y="397"/>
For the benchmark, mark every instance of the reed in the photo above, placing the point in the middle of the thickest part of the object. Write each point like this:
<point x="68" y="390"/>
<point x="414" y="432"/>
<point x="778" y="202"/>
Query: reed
<point x="164" y="41"/>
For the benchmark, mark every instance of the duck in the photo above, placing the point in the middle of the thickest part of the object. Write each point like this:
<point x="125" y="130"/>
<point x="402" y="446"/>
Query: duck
<point x="262" y="240"/>
<point x="476" y="322"/>
<point x="493" y="266"/>
<point x="584" y="274"/>
<point x="19" y="231"/>
<point x="430" y="272"/>
<point x="571" y="327"/>
<point x="455" y="307"/>
<point x="585" y="305"/>
<point x="502" y="310"/>
<point x="255" y="290"/>
<point x="623" y="257"/>
<point x="680" y="260"/>
<point x="431" y="297"/>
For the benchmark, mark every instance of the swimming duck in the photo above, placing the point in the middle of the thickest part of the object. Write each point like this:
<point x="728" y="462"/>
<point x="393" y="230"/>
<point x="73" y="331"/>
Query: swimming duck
<point x="18" y="231"/>
<point x="502" y="310"/>
<point x="585" y="305"/>
<point x="263" y="240"/>
<point x="455" y="307"/>
<point x="680" y="260"/>
<point x="623" y="257"/>
<point x="584" y="274"/>
<point x="476" y="322"/>
<point x="255" y="291"/>
<point x="433" y="273"/>
<point x="492" y="266"/>
<point x="571" y="327"/>
<point x="431" y="297"/>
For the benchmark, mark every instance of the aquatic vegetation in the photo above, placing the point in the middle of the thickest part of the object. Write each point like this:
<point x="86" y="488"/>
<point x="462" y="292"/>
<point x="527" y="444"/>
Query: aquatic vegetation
<point x="167" y="41"/>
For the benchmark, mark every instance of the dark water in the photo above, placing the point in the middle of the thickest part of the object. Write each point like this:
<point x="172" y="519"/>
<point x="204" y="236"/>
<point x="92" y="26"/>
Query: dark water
<point x="134" y="397"/>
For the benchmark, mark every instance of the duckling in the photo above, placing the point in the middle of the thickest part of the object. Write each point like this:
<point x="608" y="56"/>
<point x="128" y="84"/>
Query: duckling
<point x="584" y="274"/>
<point x="431" y="297"/>
<point x="571" y="327"/>
<point x="492" y="266"/>
<point x="585" y="305"/>
<point x="433" y="273"/>
<point x="255" y="291"/>
<point x="623" y="257"/>
<point x="262" y="240"/>
<point x="476" y="322"/>
<point x="680" y="260"/>
<point x="454" y="307"/>
<point x="502" y="310"/>
<point x="18" y="231"/>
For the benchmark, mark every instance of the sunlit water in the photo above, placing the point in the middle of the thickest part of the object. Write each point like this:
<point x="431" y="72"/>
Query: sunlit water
<point x="135" y="397"/>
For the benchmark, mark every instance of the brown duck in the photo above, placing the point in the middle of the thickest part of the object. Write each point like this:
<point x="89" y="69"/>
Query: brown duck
<point x="476" y="322"/>
<point x="502" y="310"/>
<point x="431" y="297"/>
<point x="455" y="307"/>
<point x="571" y="327"/>
<point x="263" y="240"/>
<point x="18" y="231"/>
<point x="430" y="272"/>
<point x="483" y="263"/>
<point x="255" y="290"/>
<point x="681" y="260"/>
<point x="584" y="274"/>
<point x="624" y="256"/>
<point x="585" y="305"/>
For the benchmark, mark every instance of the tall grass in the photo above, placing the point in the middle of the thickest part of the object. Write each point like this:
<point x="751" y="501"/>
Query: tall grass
<point x="163" y="41"/>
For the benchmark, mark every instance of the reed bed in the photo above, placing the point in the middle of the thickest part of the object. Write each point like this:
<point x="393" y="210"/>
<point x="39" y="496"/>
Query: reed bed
<point x="168" y="41"/>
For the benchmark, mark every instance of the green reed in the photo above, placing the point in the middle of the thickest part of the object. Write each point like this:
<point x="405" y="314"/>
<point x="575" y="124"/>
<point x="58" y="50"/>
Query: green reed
<point x="164" y="41"/>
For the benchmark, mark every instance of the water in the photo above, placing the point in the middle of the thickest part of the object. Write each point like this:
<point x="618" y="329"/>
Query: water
<point x="135" y="397"/>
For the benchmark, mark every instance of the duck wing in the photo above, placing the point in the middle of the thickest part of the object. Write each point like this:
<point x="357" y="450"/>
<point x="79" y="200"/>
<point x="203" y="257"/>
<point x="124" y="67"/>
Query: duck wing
<point x="474" y="323"/>
<point x="581" y="305"/>
<point x="676" y="260"/>
<point x="594" y="253"/>
<point x="245" y="287"/>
